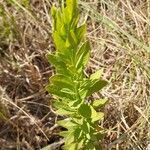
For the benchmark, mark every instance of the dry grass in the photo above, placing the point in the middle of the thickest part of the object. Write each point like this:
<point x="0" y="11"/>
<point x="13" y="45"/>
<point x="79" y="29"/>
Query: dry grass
<point x="119" y="32"/>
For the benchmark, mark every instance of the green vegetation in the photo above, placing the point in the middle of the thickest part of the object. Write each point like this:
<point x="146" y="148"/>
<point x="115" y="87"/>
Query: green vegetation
<point x="70" y="85"/>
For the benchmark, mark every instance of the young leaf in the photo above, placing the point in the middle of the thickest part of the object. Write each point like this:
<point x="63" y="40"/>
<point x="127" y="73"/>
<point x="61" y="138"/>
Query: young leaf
<point x="53" y="13"/>
<point x="96" y="75"/>
<point x="98" y="85"/>
<point x="90" y="146"/>
<point x="62" y="104"/>
<point x="72" y="39"/>
<point x="71" y="6"/>
<point x="80" y="32"/>
<point x="97" y="116"/>
<point x="70" y="137"/>
<point x="62" y="111"/>
<point x="71" y="146"/>
<point x="53" y="59"/>
<point x="86" y="127"/>
<point x="59" y="41"/>
<point x="61" y="67"/>
<point x="68" y="91"/>
<point x="58" y="21"/>
<point x="85" y="111"/>
<point x="55" y="90"/>
<point x="82" y="55"/>
<point x="78" y="133"/>
<point x="80" y="144"/>
<point x="64" y="134"/>
<point x="62" y="82"/>
<point x="66" y="123"/>
<point x="99" y="103"/>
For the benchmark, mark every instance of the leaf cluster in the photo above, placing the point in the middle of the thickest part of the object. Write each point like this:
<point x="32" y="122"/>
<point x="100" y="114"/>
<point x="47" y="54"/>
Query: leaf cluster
<point x="69" y="85"/>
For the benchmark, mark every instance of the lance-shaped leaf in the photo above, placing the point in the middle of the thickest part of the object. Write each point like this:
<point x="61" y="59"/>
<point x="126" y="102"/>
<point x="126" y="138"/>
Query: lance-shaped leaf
<point x="96" y="75"/>
<point x="62" y="104"/>
<point x="72" y="7"/>
<point x="67" y="123"/>
<point x="80" y="32"/>
<point x="55" y="90"/>
<point x="61" y="67"/>
<point x="99" y="103"/>
<point x="59" y="41"/>
<point x="62" y="81"/>
<point x="72" y="40"/>
<point x="96" y="115"/>
<point x="82" y="55"/>
<point x="53" y="13"/>
<point x="88" y="112"/>
<point x="58" y="20"/>
<point x="96" y="86"/>
<point x="62" y="111"/>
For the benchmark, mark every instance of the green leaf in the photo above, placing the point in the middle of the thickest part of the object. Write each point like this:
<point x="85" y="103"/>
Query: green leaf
<point x="66" y="16"/>
<point x="62" y="104"/>
<point x="78" y="120"/>
<point x="98" y="85"/>
<point x="62" y="81"/>
<point x="58" y="21"/>
<point x="89" y="112"/>
<point x="63" y="31"/>
<point x="83" y="93"/>
<point x="80" y="144"/>
<point x="59" y="64"/>
<point x="59" y="41"/>
<point x="99" y="135"/>
<point x="85" y="111"/>
<point x="99" y="103"/>
<point x="75" y="20"/>
<point x="53" y="13"/>
<point x="90" y="146"/>
<point x="96" y="75"/>
<point x="71" y="146"/>
<point x="66" y="123"/>
<point x="53" y="89"/>
<point x="96" y="116"/>
<point x="70" y="137"/>
<point x="66" y="56"/>
<point x="72" y="40"/>
<point x="85" y="127"/>
<point x="82" y="55"/>
<point x="80" y="32"/>
<point x="53" y="59"/>
<point x="64" y="112"/>
<point x="75" y="103"/>
<point x="63" y="133"/>
<point x="78" y="133"/>
<point x="68" y="91"/>
<point x="71" y="6"/>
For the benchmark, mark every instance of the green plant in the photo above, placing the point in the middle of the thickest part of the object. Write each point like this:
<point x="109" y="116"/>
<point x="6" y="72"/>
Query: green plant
<point x="70" y="87"/>
<point x="8" y="29"/>
<point x="5" y="27"/>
